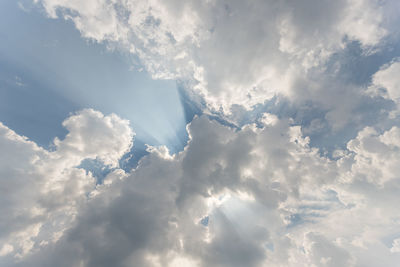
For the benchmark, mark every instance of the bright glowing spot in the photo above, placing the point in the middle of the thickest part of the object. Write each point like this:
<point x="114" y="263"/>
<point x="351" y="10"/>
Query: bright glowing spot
<point x="182" y="262"/>
<point x="217" y="200"/>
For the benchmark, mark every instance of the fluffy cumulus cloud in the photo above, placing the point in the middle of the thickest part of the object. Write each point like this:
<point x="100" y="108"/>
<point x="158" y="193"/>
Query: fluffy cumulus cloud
<point x="259" y="196"/>
<point x="41" y="190"/>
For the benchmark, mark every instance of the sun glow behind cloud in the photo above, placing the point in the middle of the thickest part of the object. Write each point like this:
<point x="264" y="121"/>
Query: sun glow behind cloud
<point x="293" y="159"/>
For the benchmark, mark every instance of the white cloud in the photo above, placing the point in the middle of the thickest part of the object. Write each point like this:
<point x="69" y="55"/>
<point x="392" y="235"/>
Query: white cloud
<point x="231" y="52"/>
<point x="386" y="83"/>
<point x="41" y="189"/>
<point x="376" y="156"/>
<point x="362" y="21"/>
<point x="387" y="78"/>
<point x="112" y="137"/>
<point x="271" y="200"/>
<point x="255" y="196"/>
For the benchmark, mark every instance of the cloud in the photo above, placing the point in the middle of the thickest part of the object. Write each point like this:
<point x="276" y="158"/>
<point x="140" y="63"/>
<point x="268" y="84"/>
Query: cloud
<point x="258" y="194"/>
<point x="270" y="200"/>
<point x="93" y="135"/>
<point x="42" y="189"/>
<point x="230" y="52"/>
<point x="386" y="82"/>
<point x="396" y="246"/>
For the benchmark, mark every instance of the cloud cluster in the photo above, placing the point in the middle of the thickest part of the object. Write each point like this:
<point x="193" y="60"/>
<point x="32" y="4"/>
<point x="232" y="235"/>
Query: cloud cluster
<point x="232" y="52"/>
<point x="255" y="195"/>
<point x="41" y="190"/>
<point x="259" y="196"/>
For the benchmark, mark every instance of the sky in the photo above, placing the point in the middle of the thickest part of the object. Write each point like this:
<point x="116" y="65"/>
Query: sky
<point x="199" y="133"/>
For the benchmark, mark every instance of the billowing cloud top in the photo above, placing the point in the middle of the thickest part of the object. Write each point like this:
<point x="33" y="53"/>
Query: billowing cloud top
<point x="295" y="160"/>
